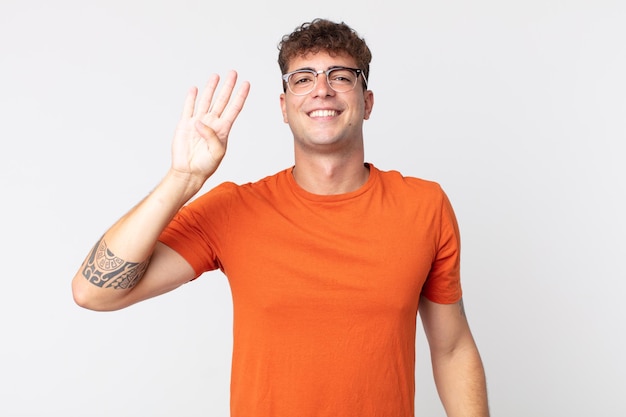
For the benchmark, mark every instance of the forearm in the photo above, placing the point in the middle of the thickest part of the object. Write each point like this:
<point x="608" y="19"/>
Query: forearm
<point x="120" y="258"/>
<point x="133" y="236"/>
<point x="460" y="379"/>
<point x="111" y="275"/>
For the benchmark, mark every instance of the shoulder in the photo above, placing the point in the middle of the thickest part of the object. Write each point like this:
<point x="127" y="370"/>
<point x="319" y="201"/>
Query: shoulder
<point x="229" y="190"/>
<point x="410" y="185"/>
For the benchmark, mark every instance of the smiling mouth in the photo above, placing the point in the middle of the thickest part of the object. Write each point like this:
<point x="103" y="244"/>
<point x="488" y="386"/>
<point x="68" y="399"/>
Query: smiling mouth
<point x="323" y="113"/>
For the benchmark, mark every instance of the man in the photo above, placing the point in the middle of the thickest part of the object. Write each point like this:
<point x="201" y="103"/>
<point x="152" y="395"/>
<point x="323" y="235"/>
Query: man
<point x="327" y="261"/>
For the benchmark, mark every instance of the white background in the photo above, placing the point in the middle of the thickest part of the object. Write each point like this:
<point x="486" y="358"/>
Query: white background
<point x="518" y="109"/>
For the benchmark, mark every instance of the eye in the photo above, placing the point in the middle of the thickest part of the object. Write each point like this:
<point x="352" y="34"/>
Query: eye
<point x="342" y="76"/>
<point x="302" y="78"/>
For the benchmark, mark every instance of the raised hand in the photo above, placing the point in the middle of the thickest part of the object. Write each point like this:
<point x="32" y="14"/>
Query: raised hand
<point x="202" y="132"/>
<point x="119" y="270"/>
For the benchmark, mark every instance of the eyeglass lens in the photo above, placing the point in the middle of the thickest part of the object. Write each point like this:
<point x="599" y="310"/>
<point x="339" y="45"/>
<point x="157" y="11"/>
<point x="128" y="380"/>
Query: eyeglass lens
<point x="340" y="79"/>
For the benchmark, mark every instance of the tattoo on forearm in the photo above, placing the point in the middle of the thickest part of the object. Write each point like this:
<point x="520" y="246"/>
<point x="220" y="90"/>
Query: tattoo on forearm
<point x="104" y="269"/>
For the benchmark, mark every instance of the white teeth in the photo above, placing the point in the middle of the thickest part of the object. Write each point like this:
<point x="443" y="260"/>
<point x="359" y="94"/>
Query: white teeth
<point x="323" y="113"/>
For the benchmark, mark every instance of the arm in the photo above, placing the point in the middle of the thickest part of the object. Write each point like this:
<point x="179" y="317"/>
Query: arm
<point x="457" y="367"/>
<point x="128" y="264"/>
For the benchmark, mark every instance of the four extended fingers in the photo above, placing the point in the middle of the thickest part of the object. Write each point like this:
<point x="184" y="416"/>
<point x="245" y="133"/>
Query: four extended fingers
<point x="206" y="104"/>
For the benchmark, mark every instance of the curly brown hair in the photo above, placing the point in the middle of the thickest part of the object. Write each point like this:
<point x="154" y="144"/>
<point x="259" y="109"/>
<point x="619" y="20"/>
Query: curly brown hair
<point x="324" y="35"/>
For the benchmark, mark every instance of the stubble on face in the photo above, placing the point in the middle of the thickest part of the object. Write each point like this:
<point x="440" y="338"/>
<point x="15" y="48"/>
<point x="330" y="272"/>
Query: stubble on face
<point x="325" y="120"/>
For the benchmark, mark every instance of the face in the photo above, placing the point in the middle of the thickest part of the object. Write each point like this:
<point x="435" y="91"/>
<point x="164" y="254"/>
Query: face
<point x="325" y="119"/>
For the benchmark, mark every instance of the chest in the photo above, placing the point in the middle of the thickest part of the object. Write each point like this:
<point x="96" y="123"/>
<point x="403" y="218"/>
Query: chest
<point x="330" y="259"/>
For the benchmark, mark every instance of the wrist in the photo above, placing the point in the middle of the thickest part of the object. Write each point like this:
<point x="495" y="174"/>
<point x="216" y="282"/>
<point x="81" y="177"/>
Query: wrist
<point x="186" y="180"/>
<point x="181" y="186"/>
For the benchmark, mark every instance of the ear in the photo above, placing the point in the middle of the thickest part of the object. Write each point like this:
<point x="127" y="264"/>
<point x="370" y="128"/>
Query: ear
<point x="368" y="97"/>
<point x="283" y="107"/>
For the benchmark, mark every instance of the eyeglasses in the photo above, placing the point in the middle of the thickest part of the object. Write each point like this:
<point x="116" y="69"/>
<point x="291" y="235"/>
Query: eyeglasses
<point x="340" y="79"/>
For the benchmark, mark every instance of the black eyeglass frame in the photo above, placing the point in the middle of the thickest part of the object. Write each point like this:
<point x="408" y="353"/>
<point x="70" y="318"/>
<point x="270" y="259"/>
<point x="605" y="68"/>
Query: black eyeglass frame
<point x="357" y="72"/>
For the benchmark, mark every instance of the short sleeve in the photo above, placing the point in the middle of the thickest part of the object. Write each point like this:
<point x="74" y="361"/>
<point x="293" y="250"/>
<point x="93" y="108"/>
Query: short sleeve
<point x="443" y="284"/>
<point x="198" y="229"/>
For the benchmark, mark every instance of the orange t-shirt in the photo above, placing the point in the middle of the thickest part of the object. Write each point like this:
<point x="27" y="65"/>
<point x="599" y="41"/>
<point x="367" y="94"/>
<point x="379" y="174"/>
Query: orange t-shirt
<point x="325" y="288"/>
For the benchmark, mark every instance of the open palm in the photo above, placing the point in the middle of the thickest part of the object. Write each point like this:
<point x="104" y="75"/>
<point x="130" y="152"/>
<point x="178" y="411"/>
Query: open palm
<point x="202" y="133"/>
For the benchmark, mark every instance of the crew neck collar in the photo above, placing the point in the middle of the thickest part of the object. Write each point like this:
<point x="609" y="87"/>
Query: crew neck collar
<point x="301" y="192"/>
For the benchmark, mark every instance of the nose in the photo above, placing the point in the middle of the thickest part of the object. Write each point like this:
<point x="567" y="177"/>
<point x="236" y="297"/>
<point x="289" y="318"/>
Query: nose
<point x="322" y="87"/>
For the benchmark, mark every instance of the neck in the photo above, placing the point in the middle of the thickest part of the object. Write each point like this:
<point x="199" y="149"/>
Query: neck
<point x="330" y="175"/>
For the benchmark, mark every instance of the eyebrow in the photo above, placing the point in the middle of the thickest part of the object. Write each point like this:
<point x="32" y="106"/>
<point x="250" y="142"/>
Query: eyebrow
<point x="313" y="69"/>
